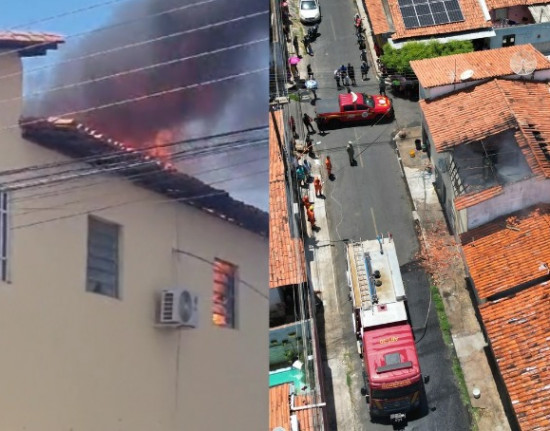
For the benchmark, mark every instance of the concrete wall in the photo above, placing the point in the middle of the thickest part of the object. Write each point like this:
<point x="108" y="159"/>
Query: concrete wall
<point x="73" y="360"/>
<point x="285" y="338"/>
<point x="537" y="34"/>
<point x="516" y="196"/>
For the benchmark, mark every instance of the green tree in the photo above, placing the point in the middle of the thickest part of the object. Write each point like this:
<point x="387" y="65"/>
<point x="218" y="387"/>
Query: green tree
<point x="398" y="60"/>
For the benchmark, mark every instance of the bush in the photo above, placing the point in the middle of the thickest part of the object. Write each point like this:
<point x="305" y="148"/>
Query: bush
<point x="398" y="60"/>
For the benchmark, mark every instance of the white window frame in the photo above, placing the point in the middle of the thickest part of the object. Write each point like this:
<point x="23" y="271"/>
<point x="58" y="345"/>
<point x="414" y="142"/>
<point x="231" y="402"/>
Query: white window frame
<point x="115" y="293"/>
<point x="5" y="236"/>
<point x="227" y="304"/>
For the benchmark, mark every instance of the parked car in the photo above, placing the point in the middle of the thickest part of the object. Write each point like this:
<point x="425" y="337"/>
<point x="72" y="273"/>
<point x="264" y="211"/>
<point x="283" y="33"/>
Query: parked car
<point x="310" y="12"/>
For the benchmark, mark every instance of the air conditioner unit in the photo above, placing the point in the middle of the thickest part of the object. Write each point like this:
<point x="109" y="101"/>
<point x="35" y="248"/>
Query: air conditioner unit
<point x="178" y="307"/>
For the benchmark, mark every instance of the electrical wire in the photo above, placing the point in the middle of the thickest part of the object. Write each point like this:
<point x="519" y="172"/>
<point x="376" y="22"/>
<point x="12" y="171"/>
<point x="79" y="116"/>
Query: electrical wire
<point x="132" y="45"/>
<point x="140" y="98"/>
<point x="106" y="207"/>
<point x="116" y="167"/>
<point x="135" y="70"/>
<point x="102" y="195"/>
<point x="118" y="24"/>
<point x="142" y="150"/>
<point x="73" y="188"/>
<point x="68" y="13"/>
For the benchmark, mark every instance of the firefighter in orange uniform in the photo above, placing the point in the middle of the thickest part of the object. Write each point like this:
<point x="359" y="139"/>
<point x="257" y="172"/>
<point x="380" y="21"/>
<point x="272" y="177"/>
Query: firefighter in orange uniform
<point x="328" y="165"/>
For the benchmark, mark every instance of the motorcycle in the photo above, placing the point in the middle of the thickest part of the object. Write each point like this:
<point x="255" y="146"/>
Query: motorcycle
<point x="358" y="24"/>
<point x="313" y="32"/>
<point x="307" y="44"/>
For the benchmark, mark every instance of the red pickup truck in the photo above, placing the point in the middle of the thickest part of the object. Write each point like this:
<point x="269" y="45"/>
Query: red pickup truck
<point x="352" y="108"/>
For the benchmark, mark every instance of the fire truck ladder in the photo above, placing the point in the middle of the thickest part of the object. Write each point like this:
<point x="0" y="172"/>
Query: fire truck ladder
<point x="367" y="291"/>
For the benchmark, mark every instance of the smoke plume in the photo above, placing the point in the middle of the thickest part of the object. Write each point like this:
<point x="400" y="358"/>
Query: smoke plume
<point x="153" y="29"/>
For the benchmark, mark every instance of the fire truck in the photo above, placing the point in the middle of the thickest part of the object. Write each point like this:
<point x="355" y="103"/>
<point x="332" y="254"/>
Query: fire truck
<point x="385" y="340"/>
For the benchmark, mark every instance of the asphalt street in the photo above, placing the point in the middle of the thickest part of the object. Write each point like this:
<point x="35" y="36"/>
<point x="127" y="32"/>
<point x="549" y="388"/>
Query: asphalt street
<point x="365" y="200"/>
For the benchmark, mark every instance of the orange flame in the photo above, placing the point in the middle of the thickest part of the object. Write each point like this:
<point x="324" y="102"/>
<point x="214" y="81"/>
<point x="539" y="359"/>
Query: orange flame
<point x="160" y="149"/>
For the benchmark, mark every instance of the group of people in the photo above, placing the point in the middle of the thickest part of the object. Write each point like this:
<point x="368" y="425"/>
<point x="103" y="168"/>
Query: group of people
<point x="345" y="77"/>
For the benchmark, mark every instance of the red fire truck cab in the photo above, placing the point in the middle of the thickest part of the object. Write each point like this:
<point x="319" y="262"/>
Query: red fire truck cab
<point x="394" y="380"/>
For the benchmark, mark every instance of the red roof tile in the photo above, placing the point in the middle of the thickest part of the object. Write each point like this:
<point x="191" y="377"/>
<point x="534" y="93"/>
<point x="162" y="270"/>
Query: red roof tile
<point x="474" y="19"/>
<point x="435" y="72"/>
<point x="474" y="198"/>
<point x="461" y="118"/>
<point x="498" y="4"/>
<point x="377" y="16"/>
<point x="500" y="257"/>
<point x="467" y="116"/>
<point x="308" y="419"/>
<point x="74" y="139"/>
<point x="279" y="406"/>
<point x="286" y="254"/>
<point x="29" y="43"/>
<point x="518" y="329"/>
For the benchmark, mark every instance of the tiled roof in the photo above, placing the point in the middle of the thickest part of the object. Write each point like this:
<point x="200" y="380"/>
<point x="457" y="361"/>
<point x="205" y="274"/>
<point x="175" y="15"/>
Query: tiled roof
<point x="518" y="329"/>
<point x="286" y="254"/>
<point x="498" y="4"/>
<point x="473" y="20"/>
<point x="435" y="72"/>
<point x="279" y="409"/>
<point x="308" y="419"/>
<point x="474" y="198"/>
<point x="279" y="406"/>
<point x="506" y="253"/>
<point x="467" y="116"/>
<point x="29" y="43"/>
<point x="76" y="140"/>
<point x="377" y="16"/>
<point x="488" y="109"/>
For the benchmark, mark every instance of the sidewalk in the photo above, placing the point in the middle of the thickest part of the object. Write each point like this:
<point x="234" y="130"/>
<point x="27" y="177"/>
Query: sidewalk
<point x="468" y="339"/>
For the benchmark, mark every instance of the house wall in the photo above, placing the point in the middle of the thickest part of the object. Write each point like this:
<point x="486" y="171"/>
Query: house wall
<point x="537" y="34"/>
<point x="74" y="360"/>
<point x="516" y="196"/>
<point x="285" y="338"/>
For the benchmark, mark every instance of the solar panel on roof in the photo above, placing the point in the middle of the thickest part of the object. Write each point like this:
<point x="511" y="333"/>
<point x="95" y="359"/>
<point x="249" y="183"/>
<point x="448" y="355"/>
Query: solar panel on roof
<point x="424" y="13"/>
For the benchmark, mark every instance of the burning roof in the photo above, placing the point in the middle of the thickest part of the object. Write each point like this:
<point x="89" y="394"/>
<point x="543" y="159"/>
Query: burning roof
<point x="74" y="139"/>
<point x="28" y="43"/>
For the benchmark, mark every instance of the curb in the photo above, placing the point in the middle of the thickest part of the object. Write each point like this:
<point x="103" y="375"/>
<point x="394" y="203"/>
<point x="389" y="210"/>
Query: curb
<point x="368" y="33"/>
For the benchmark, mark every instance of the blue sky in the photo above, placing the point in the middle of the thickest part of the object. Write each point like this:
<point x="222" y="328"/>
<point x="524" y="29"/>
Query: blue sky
<point x="25" y="16"/>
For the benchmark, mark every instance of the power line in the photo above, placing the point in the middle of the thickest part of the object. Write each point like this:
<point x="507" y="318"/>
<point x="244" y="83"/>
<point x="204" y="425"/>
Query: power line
<point x="140" y="98"/>
<point x="135" y="44"/>
<point x="142" y="150"/>
<point x="119" y="24"/>
<point x="114" y="168"/>
<point x="138" y="69"/>
<point x="68" y="13"/>
<point x="73" y="188"/>
<point x="188" y="198"/>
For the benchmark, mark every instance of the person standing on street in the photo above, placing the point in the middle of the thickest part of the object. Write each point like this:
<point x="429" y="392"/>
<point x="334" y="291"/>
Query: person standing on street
<point x="351" y="154"/>
<point x="351" y="73"/>
<point x="337" y="78"/>
<point x="308" y="123"/>
<point x="311" y="217"/>
<point x="318" y="187"/>
<point x="309" y="72"/>
<point x="364" y="70"/>
<point x="328" y="165"/>
<point x="382" y="85"/>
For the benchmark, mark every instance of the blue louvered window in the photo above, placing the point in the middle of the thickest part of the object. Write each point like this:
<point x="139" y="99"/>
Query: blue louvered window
<point x="102" y="272"/>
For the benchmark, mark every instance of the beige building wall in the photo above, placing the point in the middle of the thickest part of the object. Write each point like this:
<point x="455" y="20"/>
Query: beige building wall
<point x="74" y="360"/>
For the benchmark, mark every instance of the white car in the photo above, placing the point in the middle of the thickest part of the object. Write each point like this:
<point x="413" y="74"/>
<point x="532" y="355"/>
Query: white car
<point x="309" y="11"/>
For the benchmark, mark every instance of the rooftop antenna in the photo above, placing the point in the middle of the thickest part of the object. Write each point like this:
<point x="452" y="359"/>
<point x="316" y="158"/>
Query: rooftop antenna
<point x="523" y="63"/>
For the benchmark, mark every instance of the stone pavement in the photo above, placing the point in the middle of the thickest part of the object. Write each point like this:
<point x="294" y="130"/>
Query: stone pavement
<point x="468" y="339"/>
